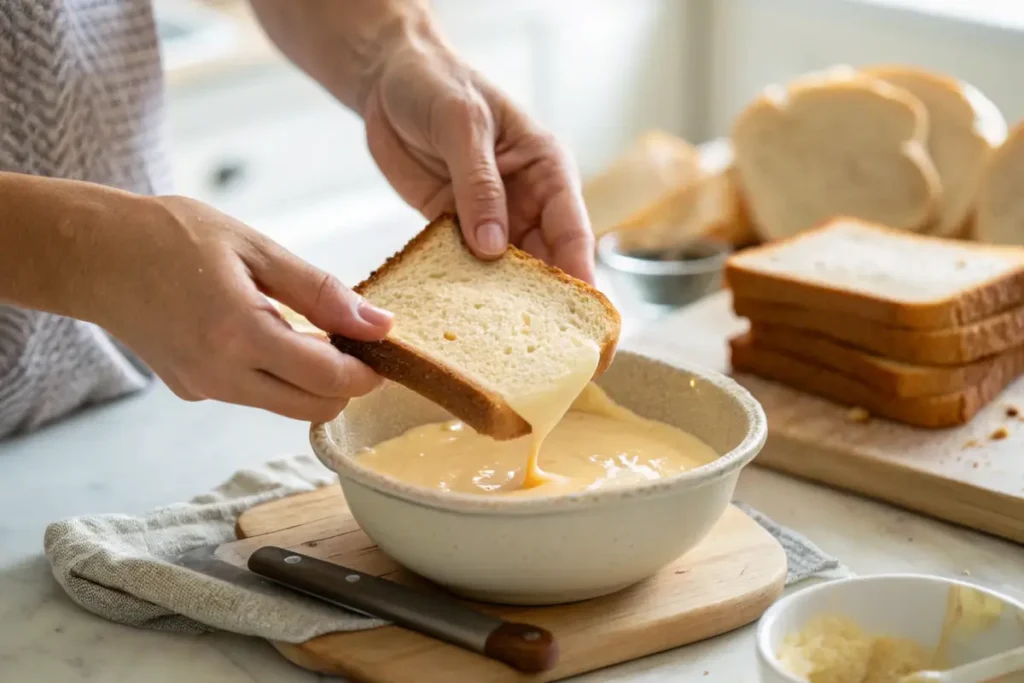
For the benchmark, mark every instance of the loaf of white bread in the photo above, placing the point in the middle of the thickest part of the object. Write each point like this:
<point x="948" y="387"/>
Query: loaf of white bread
<point x="918" y="329"/>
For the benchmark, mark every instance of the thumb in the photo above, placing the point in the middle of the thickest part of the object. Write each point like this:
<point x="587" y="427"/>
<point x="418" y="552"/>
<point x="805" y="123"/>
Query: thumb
<point x="477" y="185"/>
<point x="319" y="296"/>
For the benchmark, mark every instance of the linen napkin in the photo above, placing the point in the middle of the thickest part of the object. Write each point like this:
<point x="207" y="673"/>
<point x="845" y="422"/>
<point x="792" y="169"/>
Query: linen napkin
<point x="122" y="568"/>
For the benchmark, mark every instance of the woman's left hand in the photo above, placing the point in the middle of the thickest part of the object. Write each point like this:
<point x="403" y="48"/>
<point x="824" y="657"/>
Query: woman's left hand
<point x="447" y="139"/>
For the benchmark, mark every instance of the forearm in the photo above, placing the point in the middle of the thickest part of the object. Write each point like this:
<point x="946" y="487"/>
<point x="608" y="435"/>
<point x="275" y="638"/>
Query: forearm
<point x="343" y="44"/>
<point x="54" y="237"/>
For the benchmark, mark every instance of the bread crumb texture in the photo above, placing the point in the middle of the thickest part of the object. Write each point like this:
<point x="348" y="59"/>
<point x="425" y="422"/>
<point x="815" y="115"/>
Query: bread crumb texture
<point x="870" y="260"/>
<point x="507" y="326"/>
<point x="835" y="649"/>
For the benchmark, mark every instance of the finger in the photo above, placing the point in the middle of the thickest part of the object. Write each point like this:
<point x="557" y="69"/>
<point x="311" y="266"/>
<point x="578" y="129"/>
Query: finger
<point x="317" y="295"/>
<point x="568" y="235"/>
<point x="261" y="390"/>
<point x="468" y="149"/>
<point x="314" y="366"/>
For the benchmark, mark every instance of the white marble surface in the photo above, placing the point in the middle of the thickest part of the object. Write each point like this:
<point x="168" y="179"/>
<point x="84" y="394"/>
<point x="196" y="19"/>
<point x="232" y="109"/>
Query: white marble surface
<point x="154" y="449"/>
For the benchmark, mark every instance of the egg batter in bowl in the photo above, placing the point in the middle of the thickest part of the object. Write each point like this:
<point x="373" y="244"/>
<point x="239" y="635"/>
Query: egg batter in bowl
<point x="596" y="445"/>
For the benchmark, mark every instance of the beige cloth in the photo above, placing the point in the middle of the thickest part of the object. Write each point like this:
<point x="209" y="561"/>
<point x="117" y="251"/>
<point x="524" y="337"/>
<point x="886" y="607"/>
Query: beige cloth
<point x="122" y="567"/>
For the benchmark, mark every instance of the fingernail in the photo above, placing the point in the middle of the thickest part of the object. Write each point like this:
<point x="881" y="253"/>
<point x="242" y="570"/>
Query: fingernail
<point x="377" y="317"/>
<point x="490" y="239"/>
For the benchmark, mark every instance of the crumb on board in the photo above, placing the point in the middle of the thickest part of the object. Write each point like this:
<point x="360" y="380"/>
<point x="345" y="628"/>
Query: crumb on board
<point x="972" y="443"/>
<point x="858" y="415"/>
<point x="966" y="572"/>
<point x="1012" y="411"/>
<point x="974" y="465"/>
<point x="999" y="434"/>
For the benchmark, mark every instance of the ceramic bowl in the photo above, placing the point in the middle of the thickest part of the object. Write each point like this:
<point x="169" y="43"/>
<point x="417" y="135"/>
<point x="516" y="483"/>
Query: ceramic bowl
<point x="554" y="549"/>
<point x="901" y="605"/>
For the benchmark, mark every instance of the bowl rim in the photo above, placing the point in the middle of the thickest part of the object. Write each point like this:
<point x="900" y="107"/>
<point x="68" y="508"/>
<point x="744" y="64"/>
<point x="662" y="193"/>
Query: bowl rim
<point x="769" y="618"/>
<point x="346" y="467"/>
<point x="624" y="263"/>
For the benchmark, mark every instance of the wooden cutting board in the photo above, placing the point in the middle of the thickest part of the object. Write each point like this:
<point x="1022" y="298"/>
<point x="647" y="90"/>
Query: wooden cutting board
<point x="960" y="475"/>
<point x="724" y="583"/>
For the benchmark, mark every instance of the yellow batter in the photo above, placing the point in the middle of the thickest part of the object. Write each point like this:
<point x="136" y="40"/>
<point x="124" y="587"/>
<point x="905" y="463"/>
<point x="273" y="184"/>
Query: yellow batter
<point x="597" y="444"/>
<point x="834" y="649"/>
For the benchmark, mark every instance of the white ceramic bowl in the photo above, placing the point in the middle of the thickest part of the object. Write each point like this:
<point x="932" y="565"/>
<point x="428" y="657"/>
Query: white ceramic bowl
<point x="901" y="605"/>
<point x="546" y="550"/>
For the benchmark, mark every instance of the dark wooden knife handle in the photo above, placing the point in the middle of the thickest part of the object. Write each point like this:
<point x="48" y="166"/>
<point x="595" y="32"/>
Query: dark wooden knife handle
<point x="528" y="648"/>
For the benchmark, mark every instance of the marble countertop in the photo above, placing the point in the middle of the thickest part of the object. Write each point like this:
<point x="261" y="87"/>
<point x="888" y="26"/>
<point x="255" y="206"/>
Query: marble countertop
<point x="153" y="449"/>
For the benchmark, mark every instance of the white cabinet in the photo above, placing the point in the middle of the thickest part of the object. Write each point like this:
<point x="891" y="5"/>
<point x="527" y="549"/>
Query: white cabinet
<point x="268" y="141"/>
<point x="755" y="42"/>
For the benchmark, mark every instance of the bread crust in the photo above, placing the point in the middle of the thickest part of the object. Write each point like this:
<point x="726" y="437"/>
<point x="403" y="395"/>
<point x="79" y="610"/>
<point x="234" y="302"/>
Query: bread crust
<point x="946" y="346"/>
<point x="887" y="377"/>
<point x="998" y="295"/>
<point x="932" y="412"/>
<point x="483" y="410"/>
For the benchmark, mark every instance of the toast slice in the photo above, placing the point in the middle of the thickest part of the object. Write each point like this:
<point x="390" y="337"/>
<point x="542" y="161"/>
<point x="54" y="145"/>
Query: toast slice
<point x="964" y="127"/>
<point x="840" y="143"/>
<point x="944" y="410"/>
<point x="885" y="376"/>
<point x="652" y="166"/>
<point x="1000" y="205"/>
<point x="944" y="346"/>
<point x="849" y="266"/>
<point x="468" y="333"/>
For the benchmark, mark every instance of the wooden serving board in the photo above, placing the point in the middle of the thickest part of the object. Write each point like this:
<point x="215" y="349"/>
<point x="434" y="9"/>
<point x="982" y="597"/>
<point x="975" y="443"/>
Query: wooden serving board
<point x="724" y="583"/>
<point x="959" y="475"/>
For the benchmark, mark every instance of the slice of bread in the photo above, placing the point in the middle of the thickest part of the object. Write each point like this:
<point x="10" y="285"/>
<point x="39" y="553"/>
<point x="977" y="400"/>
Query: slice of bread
<point x="838" y="143"/>
<point x="887" y="377"/>
<point x="1000" y="207"/>
<point x="943" y="410"/>
<point x="655" y="164"/>
<point x="964" y="127"/>
<point x="468" y="332"/>
<point x="708" y="206"/>
<point x="848" y="266"/>
<point x="943" y="346"/>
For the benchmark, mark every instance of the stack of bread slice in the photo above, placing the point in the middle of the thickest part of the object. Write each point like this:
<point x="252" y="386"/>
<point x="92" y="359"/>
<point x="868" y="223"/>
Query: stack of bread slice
<point x="918" y="329"/>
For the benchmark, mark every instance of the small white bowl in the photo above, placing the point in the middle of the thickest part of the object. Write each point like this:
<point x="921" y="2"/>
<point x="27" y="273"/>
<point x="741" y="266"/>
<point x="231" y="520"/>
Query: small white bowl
<point x="901" y="605"/>
<point x="554" y="549"/>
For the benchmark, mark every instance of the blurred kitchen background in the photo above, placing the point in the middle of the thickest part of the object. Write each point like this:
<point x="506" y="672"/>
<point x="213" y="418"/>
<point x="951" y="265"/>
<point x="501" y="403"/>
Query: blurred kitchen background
<point x="254" y="137"/>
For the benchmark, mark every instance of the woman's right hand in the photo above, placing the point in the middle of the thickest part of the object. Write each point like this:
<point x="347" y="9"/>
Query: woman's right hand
<point x="183" y="285"/>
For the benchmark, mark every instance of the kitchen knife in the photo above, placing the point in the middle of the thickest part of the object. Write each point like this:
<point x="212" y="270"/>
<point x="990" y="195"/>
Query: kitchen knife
<point x="527" y="648"/>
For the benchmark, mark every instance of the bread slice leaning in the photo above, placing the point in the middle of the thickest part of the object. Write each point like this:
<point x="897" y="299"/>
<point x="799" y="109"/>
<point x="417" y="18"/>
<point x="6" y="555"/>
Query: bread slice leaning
<point x="1000" y="206"/>
<point x="837" y="144"/>
<point x="943" y="410"/>
<point x="964" y="127"/>
<point x="469" y="332"/>
<point x="652" y="166"/>
<point x="887" y="377"/>
<point x="848" y="266"/>
<point x="706" y="207"/>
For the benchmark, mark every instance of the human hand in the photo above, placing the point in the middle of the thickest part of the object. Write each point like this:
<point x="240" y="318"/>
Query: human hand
<point x="446" y="139"/>
<point x="184" y="287"/>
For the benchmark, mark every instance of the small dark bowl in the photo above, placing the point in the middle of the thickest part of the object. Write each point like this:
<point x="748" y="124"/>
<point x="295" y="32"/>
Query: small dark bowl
<point x="674" y="277"/>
